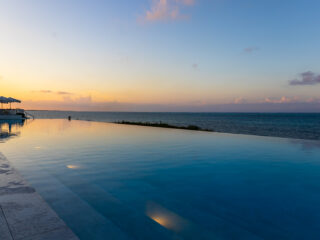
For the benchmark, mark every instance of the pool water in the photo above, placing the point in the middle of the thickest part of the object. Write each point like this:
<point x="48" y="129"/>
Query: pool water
<point x="109" y="181"/>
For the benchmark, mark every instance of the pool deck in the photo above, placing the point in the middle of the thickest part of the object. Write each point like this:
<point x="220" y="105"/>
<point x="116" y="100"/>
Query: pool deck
<point x="23" y="213"/>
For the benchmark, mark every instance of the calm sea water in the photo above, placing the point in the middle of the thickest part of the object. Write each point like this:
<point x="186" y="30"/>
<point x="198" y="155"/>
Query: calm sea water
<point x="109" y="181"/>
<point x="288" y="125"/>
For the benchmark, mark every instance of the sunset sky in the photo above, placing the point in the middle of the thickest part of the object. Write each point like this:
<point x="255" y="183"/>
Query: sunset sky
<point x="161" y="55"/>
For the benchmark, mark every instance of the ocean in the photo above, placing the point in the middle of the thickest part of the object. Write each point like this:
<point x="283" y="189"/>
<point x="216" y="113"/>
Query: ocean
<point x="286" y="125"/>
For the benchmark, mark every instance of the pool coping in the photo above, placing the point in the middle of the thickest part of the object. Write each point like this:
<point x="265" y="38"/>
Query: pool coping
<point x="24" y="214"/>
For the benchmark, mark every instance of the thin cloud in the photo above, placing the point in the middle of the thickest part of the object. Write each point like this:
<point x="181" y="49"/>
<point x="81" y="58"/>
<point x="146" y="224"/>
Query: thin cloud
<point x="239" y="100"/>
<point x="164" y="10"/>
<point x="306" y="78"/>
<point x="44" y="91"/>
<point x="86" y="103"/>
<point x="313" y="100"/>
<point x="63" y="93"/>
<point x="53" y="92"/>
<point x="282" y="100"/>
<point x="195" y="66"/>
<point x="250" y="49"/>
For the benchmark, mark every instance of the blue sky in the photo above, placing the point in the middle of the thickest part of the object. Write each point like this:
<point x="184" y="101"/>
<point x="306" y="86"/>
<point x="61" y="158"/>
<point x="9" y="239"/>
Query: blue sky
<point x="161" y="54"/>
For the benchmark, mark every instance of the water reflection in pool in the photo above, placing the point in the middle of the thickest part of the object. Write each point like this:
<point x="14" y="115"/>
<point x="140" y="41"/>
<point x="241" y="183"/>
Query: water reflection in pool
<point x="127" y="182"/>
<point x="10" y="128"/>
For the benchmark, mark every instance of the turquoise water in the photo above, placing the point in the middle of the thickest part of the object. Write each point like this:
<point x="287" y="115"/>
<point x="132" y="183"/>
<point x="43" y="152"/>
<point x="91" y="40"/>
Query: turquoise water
<point x="109" y="181"/>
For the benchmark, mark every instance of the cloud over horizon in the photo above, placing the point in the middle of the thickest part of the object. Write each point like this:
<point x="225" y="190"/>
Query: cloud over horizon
<point x="307" y="78"/>
<point x="87" y="103"/>
<point x="283" y="99"/>
<point x="240" y="100"/>
<point x="164" y="10"/>
<point x="54" y="92"/>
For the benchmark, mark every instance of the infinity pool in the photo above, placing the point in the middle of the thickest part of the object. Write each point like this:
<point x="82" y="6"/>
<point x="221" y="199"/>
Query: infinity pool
<point x="109" y="181"/>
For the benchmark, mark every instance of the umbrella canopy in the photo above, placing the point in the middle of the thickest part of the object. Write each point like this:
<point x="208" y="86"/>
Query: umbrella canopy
<point x="4" y="100"/>
<point x="13" y="100"/>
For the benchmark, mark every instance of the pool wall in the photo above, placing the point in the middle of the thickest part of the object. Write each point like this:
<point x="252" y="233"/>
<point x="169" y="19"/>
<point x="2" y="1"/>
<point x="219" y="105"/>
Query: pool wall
<point x="23" y="213"/>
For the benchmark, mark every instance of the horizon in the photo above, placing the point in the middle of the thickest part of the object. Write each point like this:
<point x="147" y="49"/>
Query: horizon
<point x="270" y="111"/>
<point x="161" y="55"/>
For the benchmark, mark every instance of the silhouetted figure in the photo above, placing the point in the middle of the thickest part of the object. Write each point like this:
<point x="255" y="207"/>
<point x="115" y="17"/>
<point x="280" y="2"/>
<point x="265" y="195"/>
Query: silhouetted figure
<point x="69" y="118"/>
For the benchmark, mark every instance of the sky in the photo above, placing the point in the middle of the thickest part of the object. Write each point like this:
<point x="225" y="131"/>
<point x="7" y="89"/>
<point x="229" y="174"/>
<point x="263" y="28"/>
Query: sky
<point x="161" y="55"/>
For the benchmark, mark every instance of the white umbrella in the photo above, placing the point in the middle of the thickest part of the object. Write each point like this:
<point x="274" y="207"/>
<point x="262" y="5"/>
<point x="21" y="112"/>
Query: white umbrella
<point x="12" y="100"/>
<point x="3" y="100"/>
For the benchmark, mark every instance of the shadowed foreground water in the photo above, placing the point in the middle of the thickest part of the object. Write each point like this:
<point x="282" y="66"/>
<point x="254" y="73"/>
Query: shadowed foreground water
<point x="109" y="181"/>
